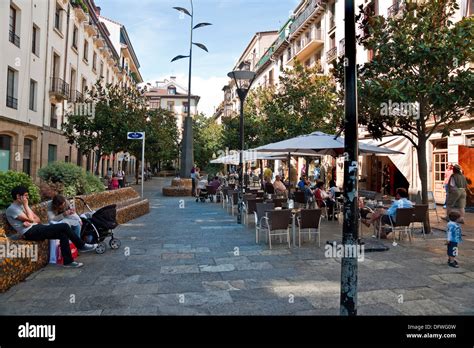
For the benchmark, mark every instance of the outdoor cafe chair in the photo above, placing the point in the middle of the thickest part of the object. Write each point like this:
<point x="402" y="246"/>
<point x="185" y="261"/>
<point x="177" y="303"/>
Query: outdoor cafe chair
<point x="278" y="224"/>
<point x="224" y="196"/>
<point x="403" y="223"/>
<point x="419" y="216"/>
<point x="321" y="204"/>
<point x="260" y="218"/>
<point x="234" y="200"/>
<point x="279" y="202"/>
<point x="309" y="219"/>
<point x="299" y="199"/>
<point x="250" y="207"/>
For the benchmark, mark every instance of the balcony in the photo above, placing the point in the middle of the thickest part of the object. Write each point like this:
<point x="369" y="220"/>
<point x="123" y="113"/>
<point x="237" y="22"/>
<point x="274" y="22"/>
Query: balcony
<point x="265" y="58"/>
<point x="316" y="7"/>
<point x="79" y="12"/>
<point x="59" y="89"/>
<point x="342" y="47"/>
<point x="98" y="41"/>
<point x="12" y="102"/>
<point x="13" y="38"/>
<point x="308" y="48"/>
<point x="90" y="29"/>
<point x="76" y="97"/>
<point x="331" y="54"/>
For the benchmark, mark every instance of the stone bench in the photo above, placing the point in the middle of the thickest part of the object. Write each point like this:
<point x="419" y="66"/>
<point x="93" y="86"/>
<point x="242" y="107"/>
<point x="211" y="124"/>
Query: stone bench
<point x="178" y="188"/>
<point x="13" y="270"/>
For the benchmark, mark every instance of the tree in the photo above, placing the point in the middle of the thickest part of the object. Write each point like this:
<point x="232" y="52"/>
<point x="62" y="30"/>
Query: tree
<point x="208" y="139"/>
<point x="422" y="61"/>
<point x="116" y="110"/>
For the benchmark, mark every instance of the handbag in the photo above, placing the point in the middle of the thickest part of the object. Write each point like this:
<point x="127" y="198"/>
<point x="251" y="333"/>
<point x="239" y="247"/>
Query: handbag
<point x="59" y="256"/>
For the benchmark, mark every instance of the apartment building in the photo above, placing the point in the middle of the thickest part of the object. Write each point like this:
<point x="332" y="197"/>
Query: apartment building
<point x="256" y="48"/>
<point x="171" y="96"/>
<point x="314" y="36"/>
<point x="53" y="52"/>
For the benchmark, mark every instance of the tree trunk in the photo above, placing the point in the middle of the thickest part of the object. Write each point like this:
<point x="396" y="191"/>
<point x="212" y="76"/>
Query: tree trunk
<point x="97" y="161"/>
<point x="423" y="168"/>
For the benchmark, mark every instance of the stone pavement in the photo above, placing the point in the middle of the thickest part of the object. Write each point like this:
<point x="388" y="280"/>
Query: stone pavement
<point x="193" y="259"/>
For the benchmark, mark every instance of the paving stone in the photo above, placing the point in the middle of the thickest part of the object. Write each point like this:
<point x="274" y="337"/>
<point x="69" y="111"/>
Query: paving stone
<point x="378" y="309"/>
<point x="233" y="285"/>
<point x="452" y="278"/>
<point x="218" y="268"/>
<point x="254" y="266"/>
<point x="179" y="269"/>
<point x="175" y="256"/>
<point x="135" y="289"/>
<point x="376" y="296"/>
<point x="185" y="299"/>
<point x="421" y="307"/>
<point x="417" y="294"/>
<point x="144" y="311"/>
<point x="262" y="307"/>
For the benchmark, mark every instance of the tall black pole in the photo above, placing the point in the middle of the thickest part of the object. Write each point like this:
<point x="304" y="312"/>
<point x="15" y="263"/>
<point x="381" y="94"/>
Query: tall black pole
<point x="350" y="228"/>
<point x="241" y="157"/>
<point x="187" y="154"/>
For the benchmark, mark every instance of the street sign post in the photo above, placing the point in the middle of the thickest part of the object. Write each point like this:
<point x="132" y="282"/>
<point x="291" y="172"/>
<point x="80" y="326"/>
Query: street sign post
<point x="139" y="136"/>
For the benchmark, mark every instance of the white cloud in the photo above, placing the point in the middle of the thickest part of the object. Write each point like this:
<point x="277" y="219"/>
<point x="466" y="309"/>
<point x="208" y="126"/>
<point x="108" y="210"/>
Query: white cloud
<point x="208" y="88"/>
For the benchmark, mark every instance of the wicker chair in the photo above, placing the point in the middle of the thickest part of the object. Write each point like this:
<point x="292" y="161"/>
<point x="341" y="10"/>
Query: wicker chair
<point x="260" y="218"/>
<point x="278" y="224"/>
<point x="309" y="219"/>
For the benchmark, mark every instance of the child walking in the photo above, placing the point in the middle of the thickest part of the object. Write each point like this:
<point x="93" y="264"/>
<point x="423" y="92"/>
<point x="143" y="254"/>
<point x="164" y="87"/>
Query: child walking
<point x="453" y="238"/>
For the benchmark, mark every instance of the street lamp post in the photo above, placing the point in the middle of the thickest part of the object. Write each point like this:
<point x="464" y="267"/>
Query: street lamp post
<point x="187" y="155"/>
<point x="348" y="300"/>
<point x="243" y="81"/>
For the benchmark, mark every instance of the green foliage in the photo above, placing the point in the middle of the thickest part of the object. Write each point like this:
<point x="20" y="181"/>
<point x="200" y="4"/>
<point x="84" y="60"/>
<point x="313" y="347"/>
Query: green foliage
<point x="11" y="179"/>
<point x="304" y="102"/>
<point x="74" y="179"/>
<point x="207" y="140"/>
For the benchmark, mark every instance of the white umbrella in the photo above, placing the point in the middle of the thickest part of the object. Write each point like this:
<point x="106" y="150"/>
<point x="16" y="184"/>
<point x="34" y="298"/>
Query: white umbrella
<point x="321" y="143"/>
<point x="252" y="155"/>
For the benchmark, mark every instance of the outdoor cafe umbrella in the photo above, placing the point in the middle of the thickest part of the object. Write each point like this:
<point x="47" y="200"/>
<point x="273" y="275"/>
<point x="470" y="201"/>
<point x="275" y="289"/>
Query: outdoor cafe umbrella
<point x="322" y="144"/>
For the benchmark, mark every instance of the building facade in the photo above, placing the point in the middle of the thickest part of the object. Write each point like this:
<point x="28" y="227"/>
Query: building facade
<point x="169" y="95"/>
<point x="53" y="52"/>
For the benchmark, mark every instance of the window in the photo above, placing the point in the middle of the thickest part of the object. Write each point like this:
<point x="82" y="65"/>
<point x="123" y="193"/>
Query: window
<point x="101" y="69"/>
<point x="5" y="149"/>
<point x="75" y="35"/>
<point x="84" y="86"/>
<point x="470" y="10"/>
<point x="172" y="90"/>
<point x="57" y="18"/>
<point x="332" y="16"/>
<point x="86" y="51"/>
<point x="27" y="144"/>
<point x="12" y="85"/>
<point x="33" y="94"/>
<point x="107" y="76"/>
<point x="13" y="33"/>
<point x="52" y="153"/>
<point x="35" y="40"/>
<point x="185" y="107"/>
<point x="170" y="106"/>
<point x="53" y="121"/>
<point x="271" y="81"/>
<point x="94" y="61"/>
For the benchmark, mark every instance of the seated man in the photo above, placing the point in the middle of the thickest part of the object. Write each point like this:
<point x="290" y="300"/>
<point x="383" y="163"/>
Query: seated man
<point x="401" y="201"/>
<point x="323" y="200"/>
<point x="25" y="221"/>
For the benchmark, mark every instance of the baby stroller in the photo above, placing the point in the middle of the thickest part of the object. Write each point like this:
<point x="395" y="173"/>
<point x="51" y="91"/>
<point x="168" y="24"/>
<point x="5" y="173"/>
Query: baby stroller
<point x="203" y="193"/>
<point x="98" y="225"/>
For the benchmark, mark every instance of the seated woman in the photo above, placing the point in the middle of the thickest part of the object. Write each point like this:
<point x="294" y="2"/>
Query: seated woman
<point x="323" y="200"/>
<point x="280" y="188"/>
<point x="60" y="211"/>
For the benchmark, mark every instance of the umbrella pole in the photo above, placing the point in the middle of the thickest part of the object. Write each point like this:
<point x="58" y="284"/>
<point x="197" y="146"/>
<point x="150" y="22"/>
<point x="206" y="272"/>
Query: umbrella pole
<point x="289" y="174"/>
<point x="261" y="173"/>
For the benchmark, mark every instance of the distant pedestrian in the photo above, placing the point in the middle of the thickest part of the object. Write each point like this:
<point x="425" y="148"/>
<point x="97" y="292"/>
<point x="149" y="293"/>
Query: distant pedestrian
<point x="447" y="177"/>
<point x="193" y="180"/>
<point x="453" y="238"/>
<point x="457" y="193"/>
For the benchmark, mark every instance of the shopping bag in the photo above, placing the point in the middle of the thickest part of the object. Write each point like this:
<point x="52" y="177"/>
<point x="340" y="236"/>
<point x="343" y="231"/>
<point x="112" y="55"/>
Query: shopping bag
<point x="74" y="253"/>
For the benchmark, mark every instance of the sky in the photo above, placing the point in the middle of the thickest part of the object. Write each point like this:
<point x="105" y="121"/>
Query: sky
<point x="158" y="33"/>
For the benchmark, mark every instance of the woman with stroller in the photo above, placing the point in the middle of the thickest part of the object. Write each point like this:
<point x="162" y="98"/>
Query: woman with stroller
<point x="59" y="211"/>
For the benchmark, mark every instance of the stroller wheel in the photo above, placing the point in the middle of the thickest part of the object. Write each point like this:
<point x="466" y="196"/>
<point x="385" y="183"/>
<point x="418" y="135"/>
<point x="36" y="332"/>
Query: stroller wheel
<point x="100" y="248"/>
<point x="115" y="243"/>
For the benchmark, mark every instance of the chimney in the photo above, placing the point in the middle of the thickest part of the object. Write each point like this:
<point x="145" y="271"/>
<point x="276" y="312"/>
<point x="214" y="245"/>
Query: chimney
<point x="173" y="78"/>
<point x="97" y="10"/>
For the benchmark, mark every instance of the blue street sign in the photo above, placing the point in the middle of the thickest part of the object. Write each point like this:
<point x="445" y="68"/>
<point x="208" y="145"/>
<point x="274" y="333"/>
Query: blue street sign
<point x="135" y="135"/>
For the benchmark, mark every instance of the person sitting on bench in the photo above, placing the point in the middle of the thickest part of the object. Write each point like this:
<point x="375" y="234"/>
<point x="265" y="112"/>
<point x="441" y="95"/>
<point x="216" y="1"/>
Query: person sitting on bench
<point x="28" y="224"/>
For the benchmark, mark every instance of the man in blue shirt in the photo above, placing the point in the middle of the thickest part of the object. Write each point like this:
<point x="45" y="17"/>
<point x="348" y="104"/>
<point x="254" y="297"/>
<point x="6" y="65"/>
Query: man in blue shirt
<point x="401" y="201"/>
